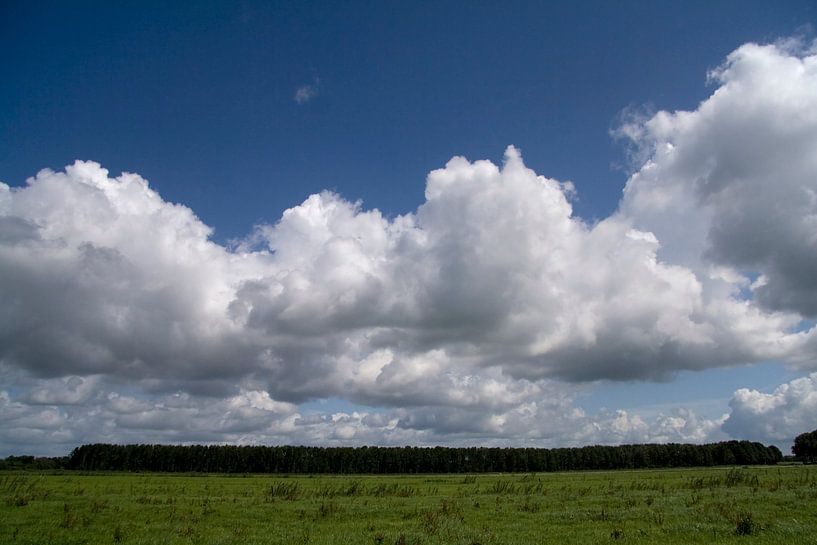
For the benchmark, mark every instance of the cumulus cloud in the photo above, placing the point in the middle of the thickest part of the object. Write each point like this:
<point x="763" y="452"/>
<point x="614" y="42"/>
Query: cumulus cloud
<point x="104" y="277"/>
<point x="777" y="417"/>
<point x="492" y="271"/>
<point x="738" y="174"/>
<point x="469" y="317"/>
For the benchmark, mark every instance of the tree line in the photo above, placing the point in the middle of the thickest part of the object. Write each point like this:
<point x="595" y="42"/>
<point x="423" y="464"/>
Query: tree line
<point x="303" y="459"/>
<point x="34" y="463"/>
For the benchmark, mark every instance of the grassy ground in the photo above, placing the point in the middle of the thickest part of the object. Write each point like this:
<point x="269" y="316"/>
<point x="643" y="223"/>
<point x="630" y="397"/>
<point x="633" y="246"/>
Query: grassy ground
<point x="759" y="505"/>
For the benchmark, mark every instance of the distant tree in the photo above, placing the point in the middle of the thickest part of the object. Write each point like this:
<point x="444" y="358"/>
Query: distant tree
<point x="805" y="446"/>
<point x="773" y="455"/>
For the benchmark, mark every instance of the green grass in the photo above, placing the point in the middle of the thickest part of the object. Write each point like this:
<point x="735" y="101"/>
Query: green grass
<point x="758" y="505"/>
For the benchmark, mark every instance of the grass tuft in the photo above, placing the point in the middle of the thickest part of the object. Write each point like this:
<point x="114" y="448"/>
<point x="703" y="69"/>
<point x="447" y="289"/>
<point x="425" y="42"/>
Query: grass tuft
<point x="745" y="525"/>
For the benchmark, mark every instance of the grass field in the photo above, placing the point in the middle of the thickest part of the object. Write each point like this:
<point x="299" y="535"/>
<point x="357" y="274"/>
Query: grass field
<point x="774" y="505"/>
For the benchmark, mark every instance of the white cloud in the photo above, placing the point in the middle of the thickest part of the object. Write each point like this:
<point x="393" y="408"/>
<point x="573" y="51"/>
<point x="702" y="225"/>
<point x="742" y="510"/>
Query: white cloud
<point x="458" y="320"/>
<point x="251" y="417"/>
<point x="777" y="417"/>
<point x="306" y="93"/>
<point x="738" y="174"/>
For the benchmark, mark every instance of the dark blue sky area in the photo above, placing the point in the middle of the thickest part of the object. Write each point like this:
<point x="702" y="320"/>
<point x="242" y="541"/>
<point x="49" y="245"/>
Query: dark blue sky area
<point x="199" y="99"/>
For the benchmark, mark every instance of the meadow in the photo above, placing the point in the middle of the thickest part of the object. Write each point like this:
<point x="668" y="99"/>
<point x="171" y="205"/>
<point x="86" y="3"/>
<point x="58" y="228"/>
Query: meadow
<point x="759" y="505"/>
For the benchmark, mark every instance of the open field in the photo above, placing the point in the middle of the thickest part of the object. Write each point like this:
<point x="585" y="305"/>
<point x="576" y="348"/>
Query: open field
<point x="774" y="505"/>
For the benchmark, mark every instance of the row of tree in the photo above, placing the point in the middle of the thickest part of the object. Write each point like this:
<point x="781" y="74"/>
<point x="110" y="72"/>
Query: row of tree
<point x="34" y="463"/>
<point x="300" y="459"/>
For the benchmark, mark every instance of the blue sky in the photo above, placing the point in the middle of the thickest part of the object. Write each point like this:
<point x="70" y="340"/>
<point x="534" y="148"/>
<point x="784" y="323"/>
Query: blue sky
<point x="240" y="111"/>
<point x="200" y="100"/>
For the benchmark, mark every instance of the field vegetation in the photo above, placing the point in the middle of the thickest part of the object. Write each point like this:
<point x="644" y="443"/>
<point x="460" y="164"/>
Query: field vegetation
<point x="759" y="505"/>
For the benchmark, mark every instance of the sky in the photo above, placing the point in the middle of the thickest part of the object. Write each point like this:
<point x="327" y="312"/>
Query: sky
<point x="440" y="223"/>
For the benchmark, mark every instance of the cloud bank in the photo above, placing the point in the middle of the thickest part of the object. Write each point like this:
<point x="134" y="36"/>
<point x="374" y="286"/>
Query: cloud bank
<point x="476" y="317"/>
